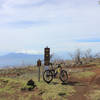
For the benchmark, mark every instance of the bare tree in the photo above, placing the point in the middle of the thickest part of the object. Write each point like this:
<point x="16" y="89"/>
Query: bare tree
<point x="88" y="54"/>
<point x="71" y="55"/>
<point x="55" y="59"/>
<point x="76" y="57"/>
<point x="97" y="55"/>
<point x="79" y="57"/>
<point x="52" y="55"/>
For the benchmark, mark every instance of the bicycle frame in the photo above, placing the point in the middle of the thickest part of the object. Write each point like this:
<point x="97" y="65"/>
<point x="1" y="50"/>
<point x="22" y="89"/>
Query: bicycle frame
<point x="55" y="71"/>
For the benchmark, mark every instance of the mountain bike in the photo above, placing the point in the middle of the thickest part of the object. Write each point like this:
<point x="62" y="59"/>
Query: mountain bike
<point x="50" y="74"/>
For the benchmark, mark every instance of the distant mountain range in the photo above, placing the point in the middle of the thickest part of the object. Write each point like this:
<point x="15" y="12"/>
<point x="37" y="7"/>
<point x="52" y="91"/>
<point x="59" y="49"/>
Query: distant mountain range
<point x="22" y="59"/>
<point x="19" y="59"/>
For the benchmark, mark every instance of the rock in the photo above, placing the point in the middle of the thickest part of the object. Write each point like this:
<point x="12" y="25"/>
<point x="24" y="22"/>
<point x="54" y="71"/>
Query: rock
<point x="29" y="86"/>
<point x="18" y="74"/>
<point x="30" y="83"/>
<point x="5" y="81"/>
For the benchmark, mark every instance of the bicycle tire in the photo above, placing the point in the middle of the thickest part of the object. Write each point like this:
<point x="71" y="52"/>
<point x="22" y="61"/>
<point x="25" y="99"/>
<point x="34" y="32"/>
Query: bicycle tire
<point x="49" y="74"/>
<point x="61" y="76"/>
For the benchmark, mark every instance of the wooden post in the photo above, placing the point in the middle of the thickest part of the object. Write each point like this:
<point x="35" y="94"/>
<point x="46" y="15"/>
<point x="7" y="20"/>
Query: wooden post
<point x="46" y="56"/>
<point x="39" y="74"/>
<point x="38" y="65"/>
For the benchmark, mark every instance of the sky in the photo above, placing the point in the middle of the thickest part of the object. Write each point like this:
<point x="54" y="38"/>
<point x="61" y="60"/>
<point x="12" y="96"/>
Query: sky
<point x="63" y="25"/>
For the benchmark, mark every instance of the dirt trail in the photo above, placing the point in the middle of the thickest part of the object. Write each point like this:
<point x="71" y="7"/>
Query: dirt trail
<point x="80" y="94"/>
<point x="83" y="89"/>
<point x="96" y="78"/>
<point x="97" y="71"/>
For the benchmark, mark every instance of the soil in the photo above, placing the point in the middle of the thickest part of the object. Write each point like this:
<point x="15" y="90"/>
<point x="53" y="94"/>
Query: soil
<point x="86" y="85"/>
<point x="96" y="79"/>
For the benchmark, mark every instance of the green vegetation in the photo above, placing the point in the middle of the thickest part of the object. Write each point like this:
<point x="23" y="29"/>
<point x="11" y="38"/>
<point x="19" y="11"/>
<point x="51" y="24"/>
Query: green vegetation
<point x="12" y="81"/>
<point x="85" y="74"/>
<point x="96" y="62"/>
<point x="95" y="95"/>
<point x="57" y="91"/>
<point x="12" y="87"/>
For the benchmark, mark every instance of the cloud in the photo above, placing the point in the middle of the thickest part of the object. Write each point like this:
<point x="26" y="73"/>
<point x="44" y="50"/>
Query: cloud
<point x="26" y="24"/>
<point x="29" y="24"/>
<point x="72" y="46"/>
<point x="28" y="51"/>
<point x="89" y="40"/>
<point x="19" y="3"/>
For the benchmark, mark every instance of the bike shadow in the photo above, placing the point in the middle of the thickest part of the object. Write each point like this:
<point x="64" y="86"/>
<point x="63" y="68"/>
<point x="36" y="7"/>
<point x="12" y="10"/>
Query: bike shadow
<point x="55" y="83"/>
<point x="73" y="83"/>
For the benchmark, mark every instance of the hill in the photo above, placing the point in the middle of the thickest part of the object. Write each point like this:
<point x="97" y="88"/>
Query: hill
<point x="18" y="59"/>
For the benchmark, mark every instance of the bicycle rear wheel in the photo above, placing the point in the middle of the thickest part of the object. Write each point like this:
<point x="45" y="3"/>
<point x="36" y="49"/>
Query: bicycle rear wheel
<point x="63" y="76"/>
<point x="47" y="76"/>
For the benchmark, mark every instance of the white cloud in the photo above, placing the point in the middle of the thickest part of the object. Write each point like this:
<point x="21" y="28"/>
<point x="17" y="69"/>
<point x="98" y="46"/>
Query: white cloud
<point x="28" y="52"/>
<point x="72" y="46"/>
<point x="54" y="23"/>
<point x="12" y="3"/>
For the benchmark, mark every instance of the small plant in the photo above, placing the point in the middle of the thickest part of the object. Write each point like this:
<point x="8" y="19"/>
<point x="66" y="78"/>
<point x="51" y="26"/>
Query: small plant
<point x="29" y="86"/>
<point x="61" y="94"/>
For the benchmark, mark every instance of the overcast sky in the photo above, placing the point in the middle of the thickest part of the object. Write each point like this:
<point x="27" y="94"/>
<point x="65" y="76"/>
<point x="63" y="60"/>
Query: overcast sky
<point x="63" y="25"/>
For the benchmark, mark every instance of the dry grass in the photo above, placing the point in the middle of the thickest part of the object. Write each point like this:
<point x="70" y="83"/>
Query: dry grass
<point x="94" y="95"/>
<point x="85" y="74"/>
<point x="11" y="86"/>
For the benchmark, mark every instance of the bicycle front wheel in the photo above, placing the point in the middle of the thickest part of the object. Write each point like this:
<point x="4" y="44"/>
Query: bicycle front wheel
<point x="47" y="76"/>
